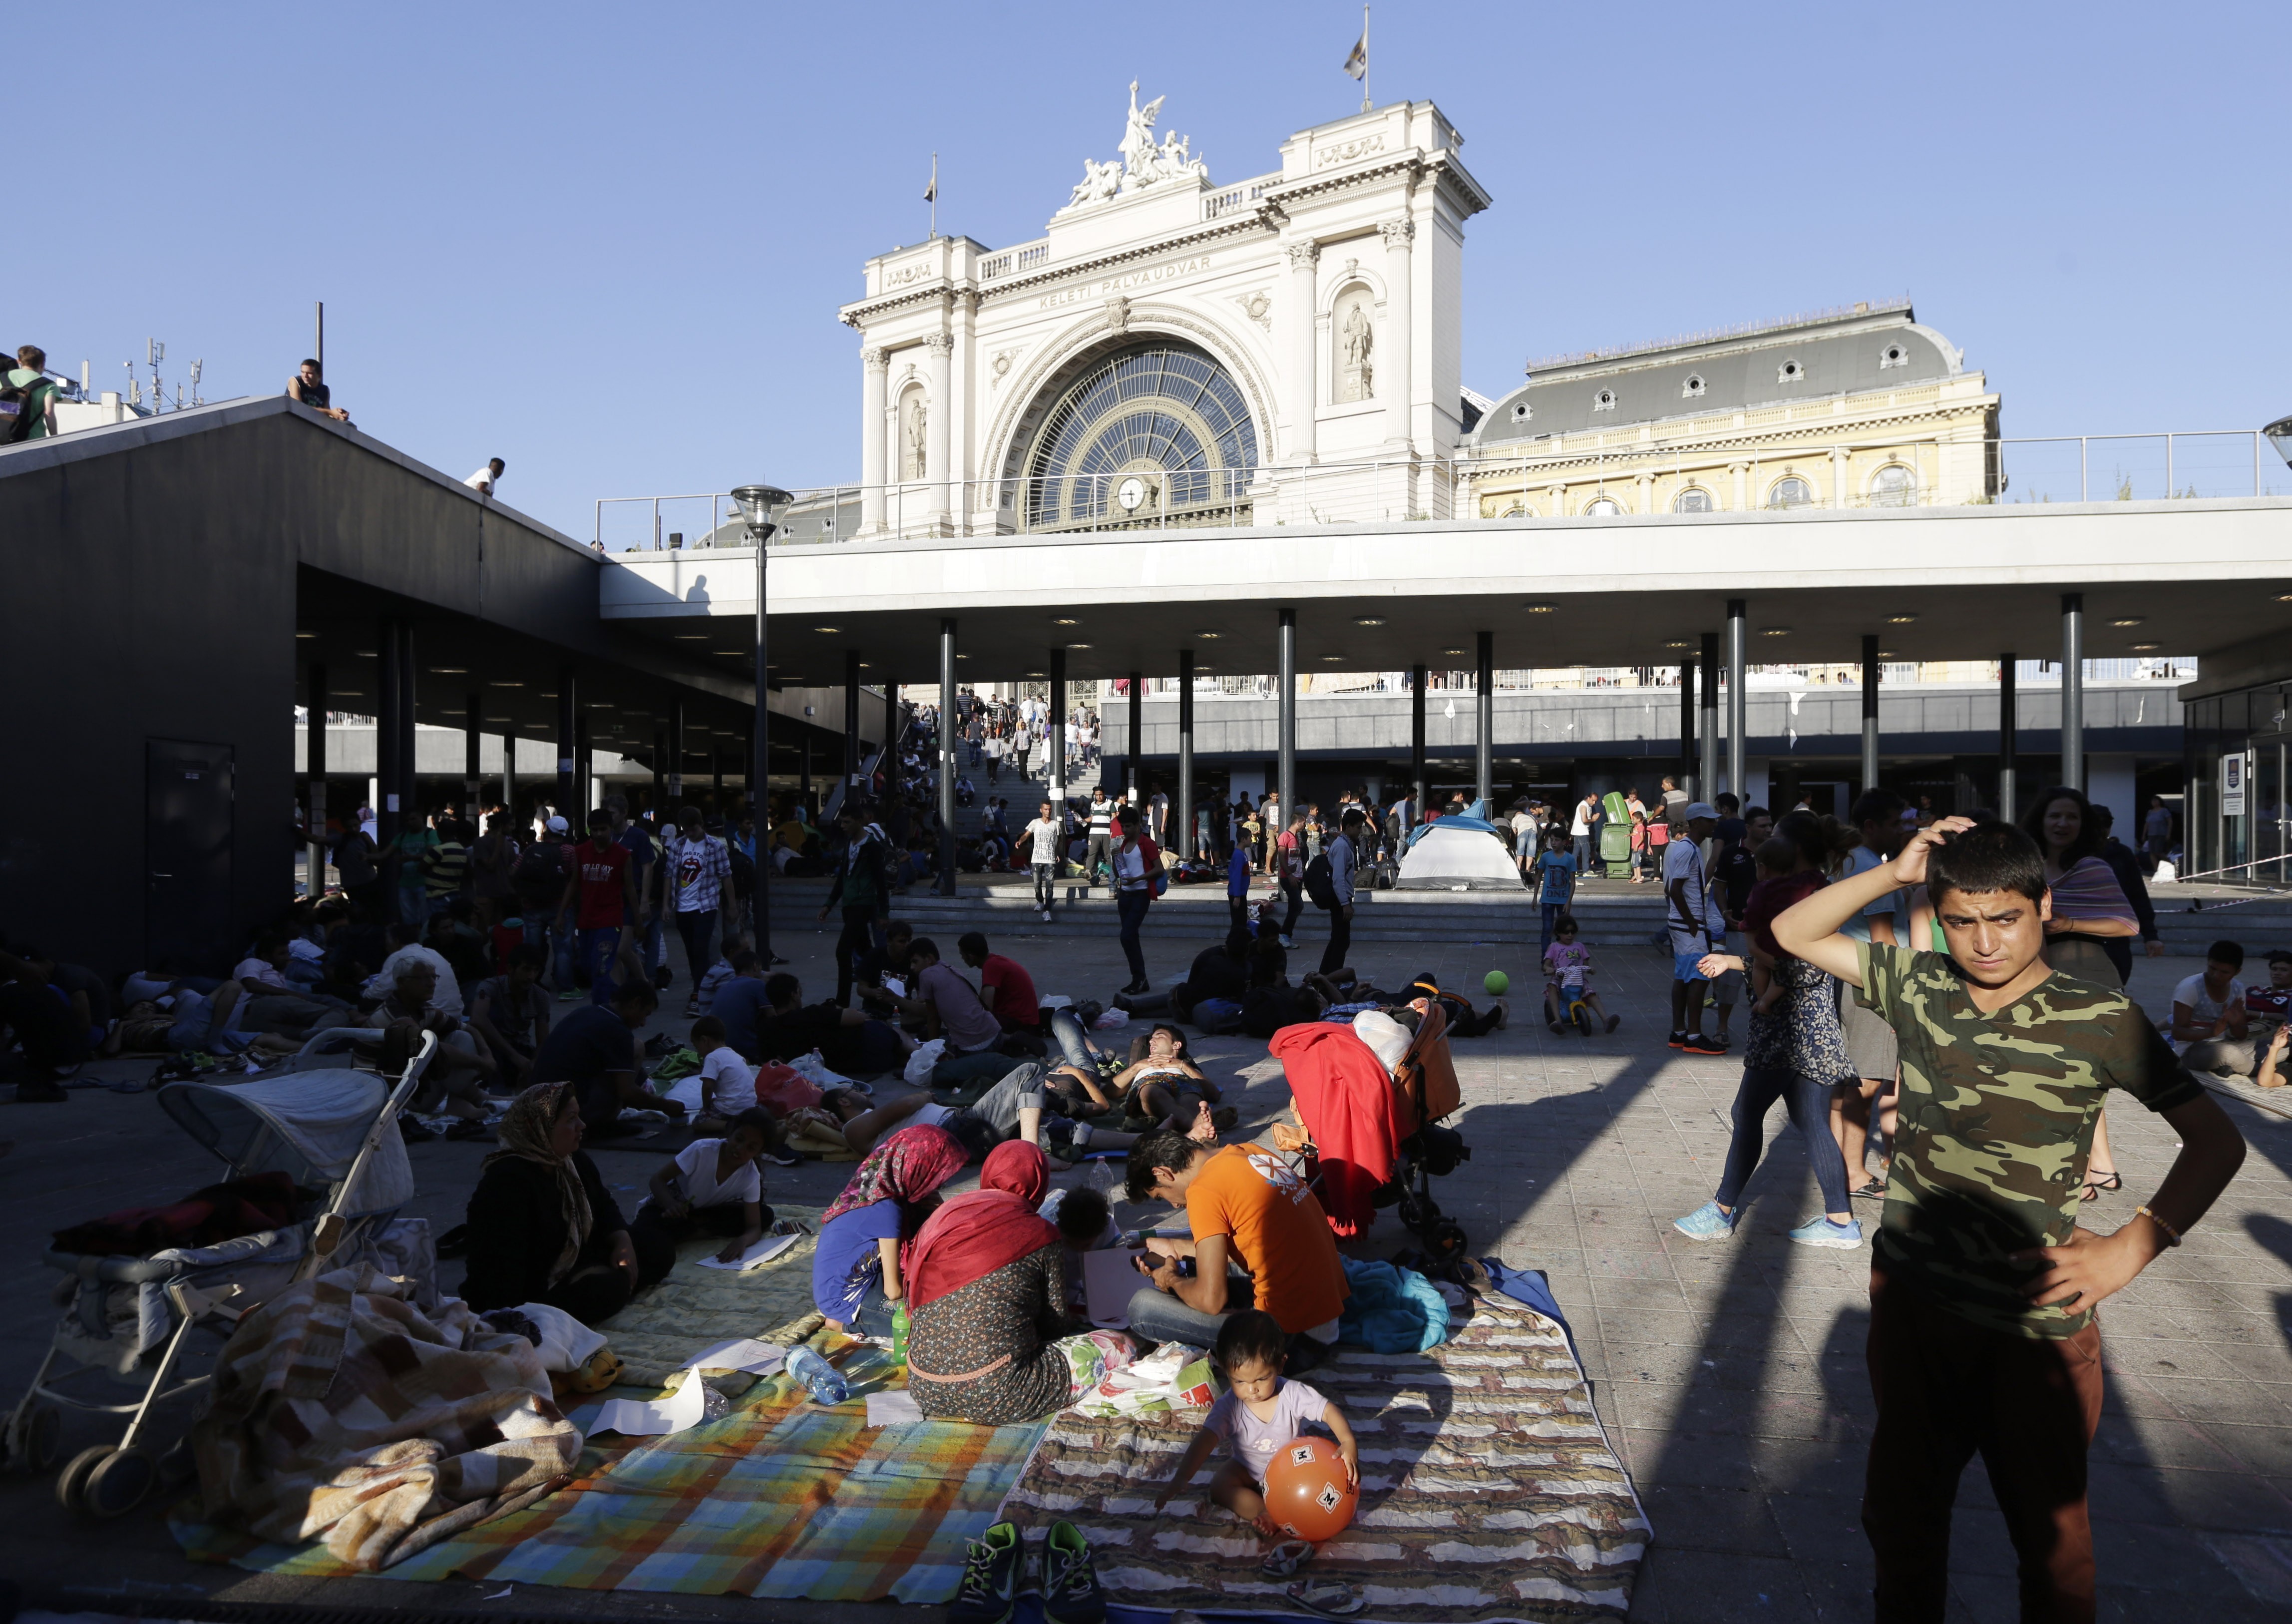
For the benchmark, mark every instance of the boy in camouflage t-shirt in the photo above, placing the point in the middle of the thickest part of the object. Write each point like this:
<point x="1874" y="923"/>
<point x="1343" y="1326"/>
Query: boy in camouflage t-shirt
<point x="1983" y="1334"/>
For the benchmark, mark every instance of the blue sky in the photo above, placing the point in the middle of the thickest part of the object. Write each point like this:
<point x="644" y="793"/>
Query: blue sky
<point x="607" y="244"/>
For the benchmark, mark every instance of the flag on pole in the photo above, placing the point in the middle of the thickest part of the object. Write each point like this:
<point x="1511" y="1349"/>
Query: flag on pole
<point x="931" y="192"/>
<point x="1357" y="63"/>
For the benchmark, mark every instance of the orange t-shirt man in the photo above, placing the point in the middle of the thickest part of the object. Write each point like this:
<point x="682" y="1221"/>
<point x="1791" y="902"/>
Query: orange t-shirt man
<point x="1276" y="1230"/>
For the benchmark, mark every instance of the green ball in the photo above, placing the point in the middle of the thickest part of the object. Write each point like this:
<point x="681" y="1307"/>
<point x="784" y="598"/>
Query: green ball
<point x="1496" y="981"/>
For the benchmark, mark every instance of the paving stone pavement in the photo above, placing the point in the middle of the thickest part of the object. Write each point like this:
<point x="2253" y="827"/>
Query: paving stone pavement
<point x="1730" y="1374"/>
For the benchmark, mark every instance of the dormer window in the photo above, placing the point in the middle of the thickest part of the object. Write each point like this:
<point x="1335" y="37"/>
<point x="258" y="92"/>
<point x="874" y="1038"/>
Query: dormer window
<point x="1893" y="355"/>
<point x="1604" y="401"/>
<point x="1790" y="372"/>
<point x="1692" y="388"/>
<point x="1522" y="411"/>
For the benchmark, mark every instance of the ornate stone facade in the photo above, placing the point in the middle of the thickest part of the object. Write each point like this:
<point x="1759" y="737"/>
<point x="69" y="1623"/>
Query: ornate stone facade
<point x="1285" y="348"/>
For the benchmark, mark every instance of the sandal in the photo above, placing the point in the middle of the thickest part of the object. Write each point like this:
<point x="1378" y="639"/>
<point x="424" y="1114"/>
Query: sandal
<point x="1286" y="1558"/>
<point x="1874" y="1191"/>
<point x="1327" y="1596"/>
<point x="2097" y="1187"/>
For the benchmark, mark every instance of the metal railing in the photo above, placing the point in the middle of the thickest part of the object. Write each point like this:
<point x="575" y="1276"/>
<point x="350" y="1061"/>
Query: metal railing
<point x="1600" y="480"/>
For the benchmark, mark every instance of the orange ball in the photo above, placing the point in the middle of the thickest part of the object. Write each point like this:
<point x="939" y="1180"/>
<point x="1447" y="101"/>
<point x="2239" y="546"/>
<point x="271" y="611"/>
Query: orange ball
<point x="1306" y="1490"/>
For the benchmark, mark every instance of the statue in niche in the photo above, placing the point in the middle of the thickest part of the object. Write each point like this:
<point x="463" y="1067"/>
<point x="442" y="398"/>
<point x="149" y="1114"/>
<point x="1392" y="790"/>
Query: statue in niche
<point x="1356" y="350"/>
<point x="912" y="462"/>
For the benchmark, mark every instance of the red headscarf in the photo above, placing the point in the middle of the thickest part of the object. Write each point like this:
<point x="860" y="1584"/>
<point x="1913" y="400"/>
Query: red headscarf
<point x="906" y="1168"/>
<point x="974" y="1235"/>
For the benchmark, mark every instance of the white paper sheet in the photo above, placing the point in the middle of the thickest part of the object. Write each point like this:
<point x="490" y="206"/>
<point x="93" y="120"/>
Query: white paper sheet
<point x="742" y="1354"/>
<point x="762" y="1252"/>
<point x="1109" y="1280"/>
<point x="896" y="1407"/>
<point x="653" y="1418"/>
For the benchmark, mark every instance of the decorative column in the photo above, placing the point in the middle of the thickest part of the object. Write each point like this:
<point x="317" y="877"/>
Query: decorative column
<point x="1838" y="476"/>
<point x="1305" y="380"/>
<point x="1396" y="375"/>
<point x="1643" y="493"/>
<point x="874" y="470"/>
<point x="939" y="501"/>
<point x="1741" y="472"/>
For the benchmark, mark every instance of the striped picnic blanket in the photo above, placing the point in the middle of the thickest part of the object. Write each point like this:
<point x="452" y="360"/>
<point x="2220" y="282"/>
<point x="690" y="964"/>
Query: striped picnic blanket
<point x="1489" y="1492"/>
<point x="778" y="1498"/>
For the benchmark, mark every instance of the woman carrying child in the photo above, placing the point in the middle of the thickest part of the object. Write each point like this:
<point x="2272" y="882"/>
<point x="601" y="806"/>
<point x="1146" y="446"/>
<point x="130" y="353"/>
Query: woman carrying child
<point x="711" y="1186"/>
<point x="1260" y="1412"/>
<point x="990" y="1340"/>
<point x="1796" y="1050"/>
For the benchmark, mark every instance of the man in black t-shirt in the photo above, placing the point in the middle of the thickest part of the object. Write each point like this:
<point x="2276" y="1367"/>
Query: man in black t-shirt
<point x="849" y="1040"/>
<point x="595" y="1049"/>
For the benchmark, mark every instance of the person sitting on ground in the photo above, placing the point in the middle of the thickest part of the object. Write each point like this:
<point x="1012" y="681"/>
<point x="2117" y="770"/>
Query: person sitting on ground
<point x="849" y="1042"/>
<point x="1258" y="1413"/>
<point x="2212" y="1021"/>
<point x="856" y="1276"/>
<point x="406" y="943"/>
<point x="455" y="1082"/>
<point x="1005" y="989"/>
<point x="728" y="1083"/>
<point x="953" y="1009"/>
<point x="542" y="1228"/>
<point x="594" y="1048"/>
<point x="1271" y="1002"/>
<point x="1463" y="1022"/>
<point x="989" y="1339"/>
<point x="1246" y="1207"/>
<point x="876" y="969"/>
<point x="1085" y="1224"/>
<point x="1566" y="963"/>
<point x="510" y="1013"/>
<point x="713" y="1186"/>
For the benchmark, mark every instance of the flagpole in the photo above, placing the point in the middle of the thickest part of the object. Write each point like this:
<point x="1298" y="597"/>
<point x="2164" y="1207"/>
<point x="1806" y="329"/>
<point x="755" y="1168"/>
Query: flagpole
<point x="934" y="197"/>
<point x="1365" y="59"/>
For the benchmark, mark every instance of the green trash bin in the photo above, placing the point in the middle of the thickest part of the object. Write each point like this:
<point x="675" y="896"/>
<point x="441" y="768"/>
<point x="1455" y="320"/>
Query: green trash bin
<point x="1614" y="855"/>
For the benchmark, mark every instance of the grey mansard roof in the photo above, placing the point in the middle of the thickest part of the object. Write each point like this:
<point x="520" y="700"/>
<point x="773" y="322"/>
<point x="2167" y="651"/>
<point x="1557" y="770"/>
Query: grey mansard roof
<point x="1835" y="352"/>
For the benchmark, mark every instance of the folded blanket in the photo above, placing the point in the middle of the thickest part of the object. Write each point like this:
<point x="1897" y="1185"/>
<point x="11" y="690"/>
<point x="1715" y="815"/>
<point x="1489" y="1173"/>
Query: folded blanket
<point x="1391" y="1310"/>
<point x="342" y="1412"/>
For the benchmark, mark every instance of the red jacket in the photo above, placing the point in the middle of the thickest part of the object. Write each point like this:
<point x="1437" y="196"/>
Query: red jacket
<point x="1344" y="1097"/>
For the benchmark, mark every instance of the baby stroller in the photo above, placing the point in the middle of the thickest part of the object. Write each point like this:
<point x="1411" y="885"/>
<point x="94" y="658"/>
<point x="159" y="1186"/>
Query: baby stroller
<point x="1424" y="1090"/>
<point x="333" y="1132"/>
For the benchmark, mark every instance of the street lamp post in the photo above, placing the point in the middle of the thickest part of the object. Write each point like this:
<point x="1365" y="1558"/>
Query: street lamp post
<point x="758" y="505"/>
<point x="2280" y="435"/>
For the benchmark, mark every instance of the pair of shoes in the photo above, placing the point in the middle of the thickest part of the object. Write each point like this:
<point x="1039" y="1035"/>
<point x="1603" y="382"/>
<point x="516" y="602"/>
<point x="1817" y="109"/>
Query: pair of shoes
<point x="2094" y="1188"/>
<point x="1820" y="1231"/>
<point x="1678" y="1040"/>
<point x="988" y="1593"/>
<point x="1705" y="1223"/>
<point x="1286" y="1558"/>
<point x="1698" y="1044"/>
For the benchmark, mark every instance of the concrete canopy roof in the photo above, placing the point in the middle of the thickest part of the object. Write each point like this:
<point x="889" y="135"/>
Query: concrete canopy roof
<point x="1965" y="583"/>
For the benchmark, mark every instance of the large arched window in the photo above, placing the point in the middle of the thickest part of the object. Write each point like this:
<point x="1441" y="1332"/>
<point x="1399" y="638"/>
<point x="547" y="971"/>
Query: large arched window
<point x="1790" y="492"/>
<point x="1694" y="499"/>
<point x="1157" y="432"/>
<point x="1894" y="486"/>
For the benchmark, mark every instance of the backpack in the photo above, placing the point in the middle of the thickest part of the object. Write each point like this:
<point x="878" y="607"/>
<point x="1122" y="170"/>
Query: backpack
<point x="539" y="876"/>
<point x="1320" y="884"/>
<point x="19" y="408"/>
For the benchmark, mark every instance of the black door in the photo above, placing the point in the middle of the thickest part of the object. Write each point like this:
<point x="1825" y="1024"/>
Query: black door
<point x="186" y="854"/>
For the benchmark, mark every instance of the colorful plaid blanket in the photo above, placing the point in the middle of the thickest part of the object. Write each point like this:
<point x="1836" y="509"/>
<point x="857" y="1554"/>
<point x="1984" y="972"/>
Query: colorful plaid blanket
<point x="1489" y="1492"/>
<point x="778" y="1499"/>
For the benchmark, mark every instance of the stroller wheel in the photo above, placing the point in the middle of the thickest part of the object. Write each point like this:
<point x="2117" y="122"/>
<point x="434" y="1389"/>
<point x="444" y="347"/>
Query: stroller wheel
<point x="39" y="1439"/>
<point x="1444" y="1241"/>
<point x="73" y="1478"/>
<point x="118" y="1483"/>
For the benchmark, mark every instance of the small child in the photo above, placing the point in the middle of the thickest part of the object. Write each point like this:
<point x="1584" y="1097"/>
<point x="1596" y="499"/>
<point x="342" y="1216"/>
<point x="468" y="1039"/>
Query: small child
<point x="1085" y="1224"/>
<point x="1259" y="1413"/>
<point x="1566" y="963"/>
<point x="728" y="1083"/>
<point x="711" y="1187"/>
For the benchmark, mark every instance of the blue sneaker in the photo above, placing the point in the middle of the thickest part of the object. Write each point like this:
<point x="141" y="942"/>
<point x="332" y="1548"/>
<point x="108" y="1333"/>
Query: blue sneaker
<point x="1820" y="1231"/>
<point x="1705" y="1223"/>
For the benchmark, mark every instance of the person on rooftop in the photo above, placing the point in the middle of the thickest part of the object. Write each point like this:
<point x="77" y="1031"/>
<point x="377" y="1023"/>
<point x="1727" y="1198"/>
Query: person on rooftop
<point x="487" y="479"/>
<point x="308" y="386"/>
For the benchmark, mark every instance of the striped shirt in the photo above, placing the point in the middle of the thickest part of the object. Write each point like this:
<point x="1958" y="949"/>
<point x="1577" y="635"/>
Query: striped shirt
<point x="1101" y="817"/>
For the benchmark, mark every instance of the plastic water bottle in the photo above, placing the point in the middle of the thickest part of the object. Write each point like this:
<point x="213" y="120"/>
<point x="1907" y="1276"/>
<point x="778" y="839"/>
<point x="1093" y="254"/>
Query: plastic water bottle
<point x="826" y="1382"/>
<point x="900" y="1333"/>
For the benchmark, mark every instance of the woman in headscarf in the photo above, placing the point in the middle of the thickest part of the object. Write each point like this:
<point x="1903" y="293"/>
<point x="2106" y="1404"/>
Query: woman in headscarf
<point x="855" y="1271"/>
<point x="542" y="1228"/>
<point x="987" y="1334"/>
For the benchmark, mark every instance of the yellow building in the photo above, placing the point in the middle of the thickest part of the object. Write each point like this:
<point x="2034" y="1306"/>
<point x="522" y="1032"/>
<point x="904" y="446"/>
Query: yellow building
<point x="1859" y="407"/>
